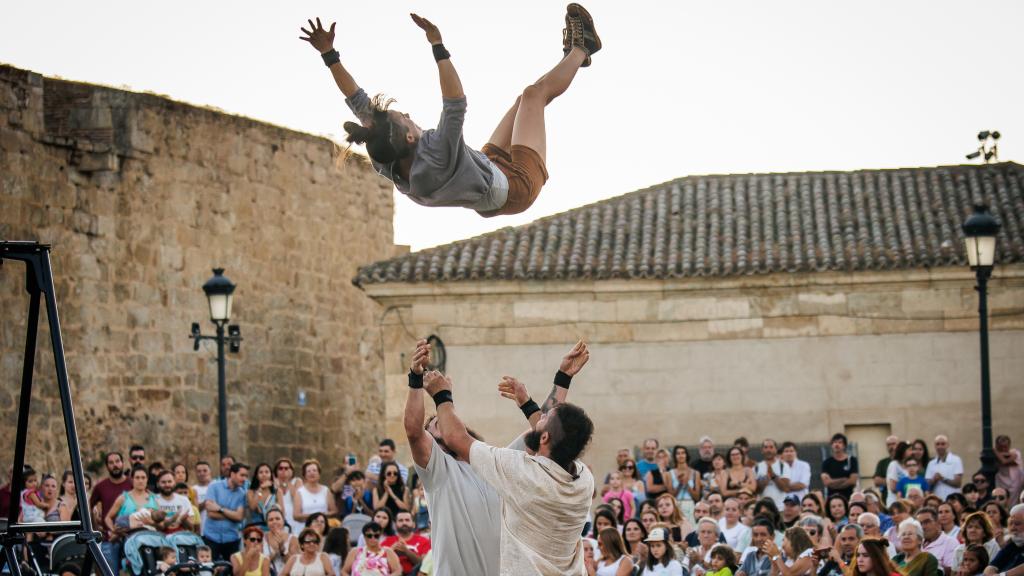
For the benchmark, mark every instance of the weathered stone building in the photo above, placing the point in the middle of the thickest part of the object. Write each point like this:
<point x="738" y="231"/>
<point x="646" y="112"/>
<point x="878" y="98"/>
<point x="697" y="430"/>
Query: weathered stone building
<point x="789" y="305"/>
<point x="141" y="196"/>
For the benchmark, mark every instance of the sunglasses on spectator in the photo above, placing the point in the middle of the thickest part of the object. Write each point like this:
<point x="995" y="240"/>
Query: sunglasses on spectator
<point x="628" y="467"/>
<point x="372" y="535"/>
<point x="137" y="458"/>
<point x="981" y="480"/>
<point x="284" y="467"/>
<point x="304" y="542"/>
<point x="390" y="474"/>
<point x="254" y="539"/>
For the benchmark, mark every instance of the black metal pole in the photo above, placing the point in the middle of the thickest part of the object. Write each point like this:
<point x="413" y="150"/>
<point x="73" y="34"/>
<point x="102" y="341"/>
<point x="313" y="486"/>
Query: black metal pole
<point x="988" y="456"/>
<point x="17" y="481"/>
<point x="222" y="400"/>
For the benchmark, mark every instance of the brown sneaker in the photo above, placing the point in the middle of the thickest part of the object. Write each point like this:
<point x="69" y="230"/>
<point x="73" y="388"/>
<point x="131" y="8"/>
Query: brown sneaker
<point x="580" y="31"/>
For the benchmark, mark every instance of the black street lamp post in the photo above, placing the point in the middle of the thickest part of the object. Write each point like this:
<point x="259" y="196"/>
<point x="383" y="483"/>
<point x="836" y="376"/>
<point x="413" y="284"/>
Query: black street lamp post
<point x="219" y="292"/>
<point x="980" y="231"/>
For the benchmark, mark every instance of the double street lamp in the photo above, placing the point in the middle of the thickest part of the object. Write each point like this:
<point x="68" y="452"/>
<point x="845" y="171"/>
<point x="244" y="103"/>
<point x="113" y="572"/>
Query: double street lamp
<point x="219" y="291"/>
<point x="980" y="230"/>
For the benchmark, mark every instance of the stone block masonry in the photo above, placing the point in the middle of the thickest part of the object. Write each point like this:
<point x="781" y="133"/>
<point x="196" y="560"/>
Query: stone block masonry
<point x="141" y="196"/>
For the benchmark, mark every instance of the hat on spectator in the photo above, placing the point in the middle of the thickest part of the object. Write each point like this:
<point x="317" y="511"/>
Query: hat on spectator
<point x="792" y="499"/>
<point x="657" y="535"/>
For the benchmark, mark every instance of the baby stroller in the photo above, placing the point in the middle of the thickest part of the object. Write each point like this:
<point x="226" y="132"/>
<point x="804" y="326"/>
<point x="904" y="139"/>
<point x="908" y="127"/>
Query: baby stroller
<point x="140" y="551"/>
<point x="186" y="543"/>
<point x="67" y="550"/>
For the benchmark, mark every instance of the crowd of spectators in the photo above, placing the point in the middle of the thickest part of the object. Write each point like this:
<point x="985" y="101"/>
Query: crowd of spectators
<point x="664" y="512"/>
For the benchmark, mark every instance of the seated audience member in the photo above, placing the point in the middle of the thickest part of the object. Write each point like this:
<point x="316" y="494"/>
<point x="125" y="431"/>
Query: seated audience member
<point x="872" y="528"/>
<point x="632" y="481"/>
<point x="723" y="561"/>
<point x="936" y="542"/>
<point x="621" y="455"/>
<point x="634" y="534"/>
<point x="670" y="514"/>
<point x="700" y="510"/>
<point x="661" y="559"/>
<point x="614" y="560"/>
<point x="409" y="546"/>
<point x="1010" y="559"/>
<point x="872" y="559"/>
<point x="790" y="511"/>
<point x="616" y="490"/>
<point x="336" y="546"/>
<point x="754" y="560"/>
<point x="974" y="561"/>
<point x="948" y="519"/>
<point x="841" y="555"/>
<point x="975" y="530"/>
<point x="250" y="561"/>
<point x="796" y="556"/>
<point x="737" y="535"/>
<point x="901" y="510"/>
<point x="356" y="499"/>
<point x="912" y="559"/>
<point x="687" y="479"/>
<point x="659" y="480"/>
<point x="371" y="558"/>
<point x="999" y="518"/>
<point x="385" y="453"/>
<point x="604" y="518"/>
<point x="838" y="510"/>
<point x="167" y="557"/>
<point x="278" y="543"/>
<point x="312" y="562"/>
<point x="708" y="534"/>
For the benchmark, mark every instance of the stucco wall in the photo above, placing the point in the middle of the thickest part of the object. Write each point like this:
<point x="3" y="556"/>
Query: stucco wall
<point x="796" y="356"/>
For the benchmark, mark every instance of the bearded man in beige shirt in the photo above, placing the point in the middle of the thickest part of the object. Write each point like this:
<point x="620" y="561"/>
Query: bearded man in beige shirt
<point x="545" y="492"/>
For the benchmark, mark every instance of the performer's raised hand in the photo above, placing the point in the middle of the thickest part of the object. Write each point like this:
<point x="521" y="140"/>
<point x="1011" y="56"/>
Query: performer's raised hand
<point x="576" y="359"/>
<point x="322" y="40"/>
<point x="420" y="358"/>
<point x="434" y="382"/>
<point x="513" y="389"/>
<point x="433" y="34"/>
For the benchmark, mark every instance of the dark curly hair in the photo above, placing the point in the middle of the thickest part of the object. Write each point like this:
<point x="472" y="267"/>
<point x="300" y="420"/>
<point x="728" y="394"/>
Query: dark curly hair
<point x="576" y="430"/>
<point x="385" y="139"/>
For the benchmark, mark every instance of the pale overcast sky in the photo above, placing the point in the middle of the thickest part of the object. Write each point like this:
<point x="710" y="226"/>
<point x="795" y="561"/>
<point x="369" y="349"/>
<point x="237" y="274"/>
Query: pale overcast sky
<point x="680" y="88"/>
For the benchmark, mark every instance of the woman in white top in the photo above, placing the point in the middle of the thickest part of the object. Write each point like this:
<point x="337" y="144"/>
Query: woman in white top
<point x="796" y="557"/>
<point x="312" y="496"/>
<point x="287" y="484"/>
<point x="278" y="544"/>
<point x="615" y="561"/>
<point x="311" y="561"/>
<point x="895" y="471"/>
<point x="661" y="559"/>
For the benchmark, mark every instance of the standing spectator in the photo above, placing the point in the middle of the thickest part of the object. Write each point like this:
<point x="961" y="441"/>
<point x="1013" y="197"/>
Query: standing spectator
<point x="386" y="452"/>
<point x="132" y="501"/>
<point x="688" y="479"/>
<point x="102" y="499"/>
<point x="936" y="542"/>
<point x="137" y="455"/>
<point x="407" y="544"/>
<point x="718" y="466"/>
<point x="896" y="471"/>
<point x="648" y="462"/>
<point x="359" y="499"/>
<point x="1011" y="555"/>
<point x="632" y="481"/>
<point x="737" y="476"/>
<point x="225" y="466"/>
<point x="391" y="492"/>
<point x="48" y="498"/>
<point x="1010" y="474"/>
<point x="261" y="496"/>
<point x="620" y="458"/>
<point x="912" y="481"/>
<point x="278" y="543"/>
<point x="250" y="561"/>
<point x="225" y="509"/>
<point x="154" y="471"/>
<point x="799" y="471"/>
<point x="912" y="559"/>
<point x="311" y="496"/>
<point x="181" y="477"/>
<point x="658" y="480"/>
<point x="67" y="501"/>
<point x="5" y="495"/>
<point x="882" y="468"/>
<point x="614" y="559"/>
<point x="177" y="507"/>
<point x="945" y="472"/>
<point x="204" y="475"/>
<point x="312" y="562"/>
<point x="975" y="530"/>
<point x="981" y="482"/>
<point x="840" y="472"/>
<point x="737" y="536"/>
<point x="772" y="473"/>
<point x="618" y="491"/>
<point x="285" y="484"/>
<point x="706" y="451"/>
<point x="744" y="445"/>
<point x="368" y="559"/>
<point x="754" y="560"/>
<point x="919" y="449"/>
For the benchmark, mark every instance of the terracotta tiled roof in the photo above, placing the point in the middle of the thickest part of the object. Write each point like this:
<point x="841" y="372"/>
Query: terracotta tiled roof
<point x="730" y="225"/>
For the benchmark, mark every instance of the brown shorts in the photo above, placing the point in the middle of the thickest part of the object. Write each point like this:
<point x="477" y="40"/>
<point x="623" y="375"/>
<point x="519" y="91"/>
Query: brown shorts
<point x="526" y="175"/>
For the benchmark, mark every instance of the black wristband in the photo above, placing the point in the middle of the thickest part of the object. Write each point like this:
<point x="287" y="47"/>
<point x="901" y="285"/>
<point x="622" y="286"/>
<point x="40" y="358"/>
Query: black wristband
<point x="415" y="380"/>
<point x="529" y="407"/>
<point x="332" y="57"/>
<point x="442" y="397"/>
<point x="562" y="380"/>
<point x="440" y="52"/>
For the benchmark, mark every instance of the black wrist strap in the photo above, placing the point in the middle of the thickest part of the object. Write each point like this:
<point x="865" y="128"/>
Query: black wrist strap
<point x="440" y="52"/>
<point x="562" y="380"/>
<point x="529" y="407"/>
<point x="442" y="397"/>
<point x="332" y="57"/>
<point x="415" y="380"/>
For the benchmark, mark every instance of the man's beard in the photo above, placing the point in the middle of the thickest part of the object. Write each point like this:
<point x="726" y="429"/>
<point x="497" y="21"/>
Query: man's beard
<point x="117" y="473"/>
<point x="166" y="493"/>
<point x="532" y="440"/>
<point x="404" y="531"/>
<point x="1018" y="539"/>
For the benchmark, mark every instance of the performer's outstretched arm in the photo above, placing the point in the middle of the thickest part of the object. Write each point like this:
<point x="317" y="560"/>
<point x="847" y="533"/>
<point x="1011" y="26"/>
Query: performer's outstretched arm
<point x="451" y="85"/>
<point x="572" y="363"/>
<point x="456" y="437"/>
<point x="323" y="41"/>
<point x="419" y="442"/>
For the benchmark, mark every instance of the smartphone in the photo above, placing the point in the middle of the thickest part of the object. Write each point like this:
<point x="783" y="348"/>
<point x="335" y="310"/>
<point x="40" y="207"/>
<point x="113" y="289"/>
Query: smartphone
<point x="351" y="460"/>
<point x="677" y="534"/>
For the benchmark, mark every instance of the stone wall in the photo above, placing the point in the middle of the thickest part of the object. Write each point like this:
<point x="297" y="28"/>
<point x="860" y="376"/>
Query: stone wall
<point x="141" y="196"/>
<point x="794" y="356"/>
